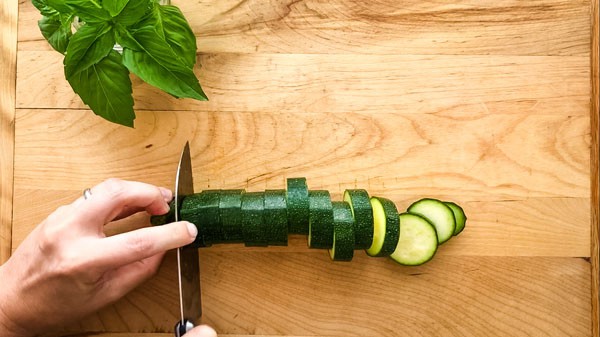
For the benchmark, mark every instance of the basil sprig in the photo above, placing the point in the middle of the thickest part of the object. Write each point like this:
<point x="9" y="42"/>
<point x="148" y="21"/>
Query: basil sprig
<point x="157" y="43"/>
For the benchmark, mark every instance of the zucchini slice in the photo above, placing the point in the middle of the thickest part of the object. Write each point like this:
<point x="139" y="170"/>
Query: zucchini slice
<point x="343" y="232"/>
<point x="275" y="217"/>
<point x="386" y="227"/>
<point x="459" y="216"/>
<point x="159" y="220"/>
<point x="439" y="214"/>
<point x="360" y="205"/>
<point x="202" y="209"/>
<point x="320" y="223"/>
<point x="230" y="210"/>
<point x="297" y="205"/>
<point x="254" y="230"/>
<point x="418" y="241"/>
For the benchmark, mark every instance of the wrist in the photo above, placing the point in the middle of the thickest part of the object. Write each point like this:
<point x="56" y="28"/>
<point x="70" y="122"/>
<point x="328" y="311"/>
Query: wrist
<point x="8" y="328"/>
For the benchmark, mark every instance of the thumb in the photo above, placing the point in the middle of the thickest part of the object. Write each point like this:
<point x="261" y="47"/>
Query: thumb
<point x="202" y="331"/>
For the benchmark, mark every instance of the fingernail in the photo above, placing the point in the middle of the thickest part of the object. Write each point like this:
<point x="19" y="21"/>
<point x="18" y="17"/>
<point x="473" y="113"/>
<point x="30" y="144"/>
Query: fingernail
<point x="192" y="229"/>
<point x="166" y="194"/>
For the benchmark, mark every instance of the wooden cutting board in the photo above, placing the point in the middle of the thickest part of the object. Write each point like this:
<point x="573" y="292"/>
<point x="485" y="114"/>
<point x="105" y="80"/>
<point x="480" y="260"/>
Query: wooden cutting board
<point x="491" y="104"/>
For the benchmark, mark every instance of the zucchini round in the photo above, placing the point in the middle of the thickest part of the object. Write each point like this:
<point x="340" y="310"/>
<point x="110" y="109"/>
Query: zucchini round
<point x="386" y="227"/>
<point x="360" y="205"/>
<point x="275" y="217"/>
<point x="297" y="205"/>
<point x="320" y="223"/>
<point x="254" y="230"/>
<point x="202" y="209"/>
<point x="418" y="241"/>
<point x="343" y="232"/>
<point x="230" y="210"/>
<point x="438" y="214"/>
<point x="459" y="217"/>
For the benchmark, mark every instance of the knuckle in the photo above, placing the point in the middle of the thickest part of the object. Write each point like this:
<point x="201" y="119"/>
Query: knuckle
<point x="139" y="243"/>
<point x="114" y="187"/>
<point x="53" y="230"/>
<point x="69" y="262"/>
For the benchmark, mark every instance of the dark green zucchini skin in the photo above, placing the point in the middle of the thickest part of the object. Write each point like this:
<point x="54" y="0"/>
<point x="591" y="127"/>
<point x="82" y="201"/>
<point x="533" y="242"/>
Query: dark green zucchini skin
<point x="267" y="218"/>
<point x="297" y="206"/>
<point x="320" y="232"/>
<point x="361" y="209"/>
<point x="275" y="217"/>
<point x="254" y="230"/>
<point x="343" y="232"/>
<point x="230" y="211"/>
<point x="392" y="227"/>
<point x="159" y="220"/>
<point x="202" y="209"/>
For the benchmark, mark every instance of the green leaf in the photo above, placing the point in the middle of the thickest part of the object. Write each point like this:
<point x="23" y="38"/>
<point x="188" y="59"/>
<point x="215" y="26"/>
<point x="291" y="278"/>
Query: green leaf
<point x="59" y="5"/>
<point x="171" y="25"/>
<point x="152" y="59"/>
<point x="106" y="88"/>
<point x="43" y="7"/>
<point x="89" y="45"/>
<point x="133" y="12"/>
<point x="87" y="10"/>
<point x="114" y="7"/>
<point x="57" y="33"/>
<point x="178" y="34"/>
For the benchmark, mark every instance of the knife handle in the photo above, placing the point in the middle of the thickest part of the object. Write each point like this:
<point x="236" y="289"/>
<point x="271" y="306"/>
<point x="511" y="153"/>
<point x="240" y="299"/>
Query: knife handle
<point x="182" y="327"/>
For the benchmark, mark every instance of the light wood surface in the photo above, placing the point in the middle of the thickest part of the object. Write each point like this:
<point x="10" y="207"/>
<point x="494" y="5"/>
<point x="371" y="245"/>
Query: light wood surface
<point x="490" y="104"/>
<point x="595" y="167"/>
<point x="8" y="67"/>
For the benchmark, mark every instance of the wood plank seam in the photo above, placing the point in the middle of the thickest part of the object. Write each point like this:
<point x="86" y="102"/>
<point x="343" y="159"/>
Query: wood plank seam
<point x="595" y="149"/>
<point x="8" y="78"/>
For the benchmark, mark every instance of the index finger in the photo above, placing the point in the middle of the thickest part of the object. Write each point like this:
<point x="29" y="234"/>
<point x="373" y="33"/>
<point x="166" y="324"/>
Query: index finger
<point x="114" y="198"/>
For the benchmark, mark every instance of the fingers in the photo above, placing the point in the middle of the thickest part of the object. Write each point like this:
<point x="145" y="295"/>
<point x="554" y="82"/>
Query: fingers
<point x="125" y="278"/>
<point x="122" y="249"/>
<point x="114" y="198"/>
<point x="202" y="331"/>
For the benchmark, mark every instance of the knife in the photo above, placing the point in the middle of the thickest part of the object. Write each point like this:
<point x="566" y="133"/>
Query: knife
<point x="188" y="266"/>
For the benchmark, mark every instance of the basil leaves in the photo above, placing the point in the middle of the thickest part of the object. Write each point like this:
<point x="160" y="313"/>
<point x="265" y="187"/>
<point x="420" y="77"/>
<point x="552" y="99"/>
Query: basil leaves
<point x="157" y="43"/>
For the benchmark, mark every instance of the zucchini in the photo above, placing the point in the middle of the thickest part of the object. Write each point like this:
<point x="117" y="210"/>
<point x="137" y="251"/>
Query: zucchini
<point x="159" y="220"/>
<point x="254" y="230"/>
<point x="459" y="217"/>
<point x="230" y="211"/>
<point x="358" y="222"/>
<point x="418" y="240"/>
<point x="275" y="217"/>
<point x="202" y="209"/>
<point x="343" y="232"/>
<point x="386" y="227"/>
<point x="320" y="222"/>
<point x="360" y="206"/>
<point x="439" y="214"/>
<point x="297" y="205"/>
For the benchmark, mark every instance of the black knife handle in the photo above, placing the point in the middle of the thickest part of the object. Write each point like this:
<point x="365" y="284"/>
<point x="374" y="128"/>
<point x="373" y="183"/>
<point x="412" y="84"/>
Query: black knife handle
<point x="182" y="327"/>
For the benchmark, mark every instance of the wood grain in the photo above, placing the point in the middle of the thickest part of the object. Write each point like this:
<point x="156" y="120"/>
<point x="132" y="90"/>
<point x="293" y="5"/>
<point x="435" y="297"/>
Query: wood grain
<point x="529" y="227"/>
<point x="541" y="27"/>
<point x="362" y="151"/>
<point x="385" y="153"/>
<point x="595" y="166"/>
<point x="284" y="83"/>
<point x="481" y="102"/>
<point x="260" y="293"/>
<point x="8" y="63"/>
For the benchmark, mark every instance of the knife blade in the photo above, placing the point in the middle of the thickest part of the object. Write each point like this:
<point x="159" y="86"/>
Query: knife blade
<point x="188" y="266"/>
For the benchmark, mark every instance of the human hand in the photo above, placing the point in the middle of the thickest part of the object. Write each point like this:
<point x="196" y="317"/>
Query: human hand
<point x="67" y="268"/>
<point x="201" y="331"/>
